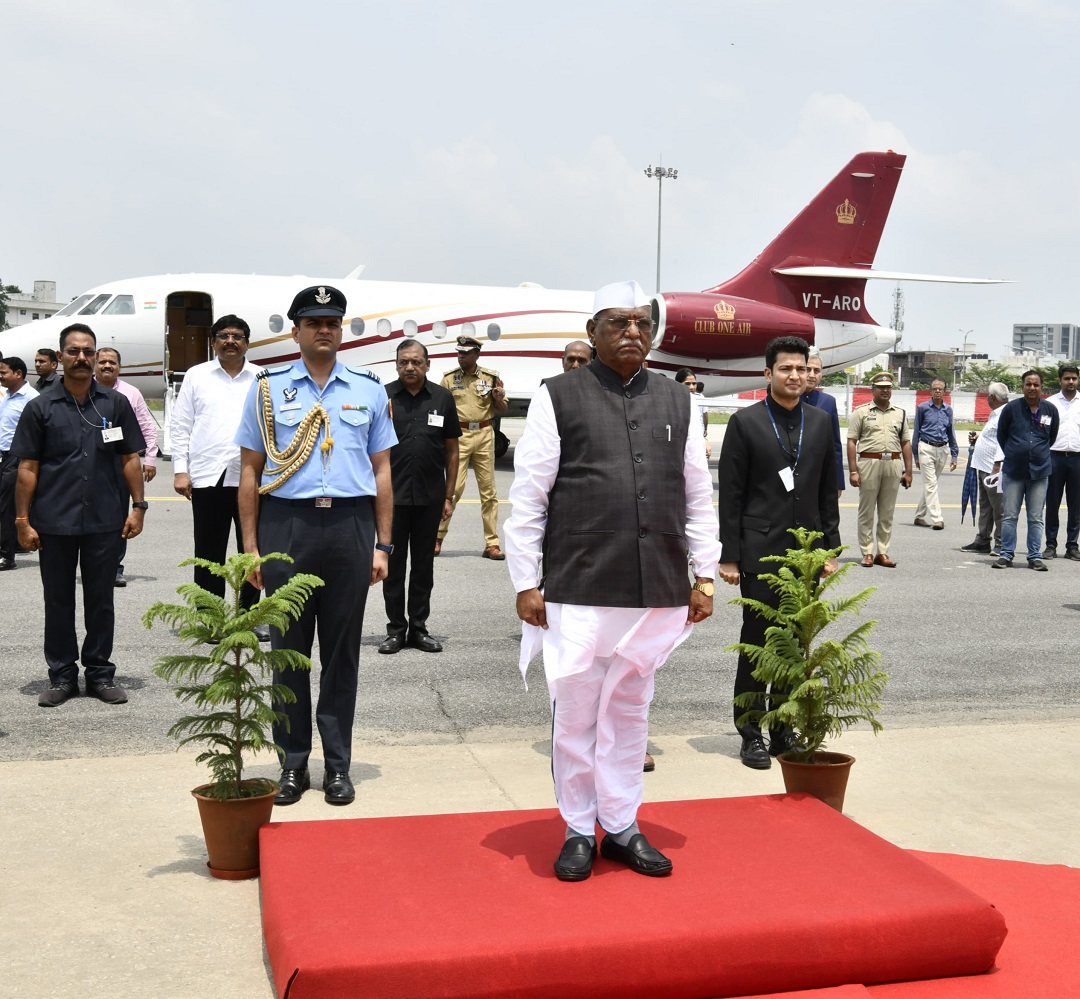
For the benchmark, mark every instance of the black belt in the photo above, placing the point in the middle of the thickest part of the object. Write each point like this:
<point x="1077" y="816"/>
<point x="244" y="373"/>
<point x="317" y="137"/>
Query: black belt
<point x="314" y="501"/>
<point x="934" y="443"/>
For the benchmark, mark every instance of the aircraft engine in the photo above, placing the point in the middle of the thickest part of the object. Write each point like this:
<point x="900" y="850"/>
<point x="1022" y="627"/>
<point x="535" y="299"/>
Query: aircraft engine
<point x="714" y="327"/>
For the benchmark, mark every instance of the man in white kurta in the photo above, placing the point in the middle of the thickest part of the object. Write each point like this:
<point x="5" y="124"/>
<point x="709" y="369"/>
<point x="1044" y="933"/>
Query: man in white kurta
<point x="600" y="659"/>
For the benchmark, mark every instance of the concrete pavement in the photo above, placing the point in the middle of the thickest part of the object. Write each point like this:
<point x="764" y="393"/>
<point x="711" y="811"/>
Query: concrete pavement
<point x="106" y="892"/>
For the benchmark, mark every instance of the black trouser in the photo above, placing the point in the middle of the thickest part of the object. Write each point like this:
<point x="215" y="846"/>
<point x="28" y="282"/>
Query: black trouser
<point x="95" y="555"/>
<point x="753" y="633"/>
<point x="9" y="473"/>
<point x="1064" y="480"/>
<point x="214" y="513"/>
<point x="414" y="534"/>
<point x="335" y="544"/>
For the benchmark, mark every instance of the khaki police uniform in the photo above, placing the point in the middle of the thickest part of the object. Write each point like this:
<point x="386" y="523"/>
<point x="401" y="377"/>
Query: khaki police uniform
<point x="476" y="411"/>
<point x="879" y="437"/>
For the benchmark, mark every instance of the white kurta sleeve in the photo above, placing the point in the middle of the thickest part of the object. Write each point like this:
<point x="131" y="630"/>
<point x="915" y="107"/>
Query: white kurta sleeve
<point x="536" y="465"/>
<point x="181" y="420"/>
<point x="702" y="527"/>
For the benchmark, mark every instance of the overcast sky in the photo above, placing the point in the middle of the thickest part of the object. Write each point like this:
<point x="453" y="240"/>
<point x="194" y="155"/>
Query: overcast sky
<point x="497" y="142"/>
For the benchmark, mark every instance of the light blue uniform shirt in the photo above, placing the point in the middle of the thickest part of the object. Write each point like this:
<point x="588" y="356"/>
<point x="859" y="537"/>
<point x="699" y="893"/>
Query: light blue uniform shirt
<point x="360" y="425"/>
<point x="11" y="407"/>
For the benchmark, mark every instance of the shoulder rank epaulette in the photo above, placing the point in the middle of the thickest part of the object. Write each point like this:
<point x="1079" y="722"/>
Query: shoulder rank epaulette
<point x="280" y="369"/>
<point x="366" y="372"/>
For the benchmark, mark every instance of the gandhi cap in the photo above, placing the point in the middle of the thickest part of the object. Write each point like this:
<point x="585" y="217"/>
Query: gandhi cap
<point x="467" y="343"/>
<point x="318" y="300"/>
<point x="621" y="295"/>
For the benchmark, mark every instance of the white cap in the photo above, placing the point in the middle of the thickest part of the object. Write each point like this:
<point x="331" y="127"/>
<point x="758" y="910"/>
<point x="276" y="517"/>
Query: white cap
<point x="621" y="295"/>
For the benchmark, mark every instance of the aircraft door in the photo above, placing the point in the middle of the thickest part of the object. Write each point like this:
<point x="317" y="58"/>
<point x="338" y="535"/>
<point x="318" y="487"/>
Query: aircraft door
<point x="188" y="318"/>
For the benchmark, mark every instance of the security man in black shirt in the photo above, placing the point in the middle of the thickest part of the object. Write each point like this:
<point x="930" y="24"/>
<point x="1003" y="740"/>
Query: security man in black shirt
<point x="70" y="507"/>
<point x="423" y="468"/>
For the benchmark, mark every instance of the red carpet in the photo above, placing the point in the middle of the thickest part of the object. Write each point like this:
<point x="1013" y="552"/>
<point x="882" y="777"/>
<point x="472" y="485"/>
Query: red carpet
<point x="769" y="894"/>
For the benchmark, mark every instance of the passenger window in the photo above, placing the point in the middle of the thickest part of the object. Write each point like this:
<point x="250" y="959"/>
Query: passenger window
<point x="494" y="331"/>
<point x="468" y="329"/>
<point x="384" y="327"/>
<point x="122" y="305"/>
<point x="357" y="326"/>
<point x="439" y="329"/>
<point x="409" y="328"/>
<point x="95" y="306"/>
<point x="277" y="324"/>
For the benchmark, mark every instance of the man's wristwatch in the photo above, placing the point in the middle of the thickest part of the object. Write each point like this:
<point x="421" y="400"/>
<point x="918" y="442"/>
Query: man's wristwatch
<point x="389" y="549"/>
<point x="140" y="505"/>
<point x="707" y="587"/>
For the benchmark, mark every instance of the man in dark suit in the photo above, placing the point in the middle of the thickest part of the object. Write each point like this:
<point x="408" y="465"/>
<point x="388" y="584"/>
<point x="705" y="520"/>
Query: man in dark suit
<point x="777" y="470"/>
<point x="825" y="402"/>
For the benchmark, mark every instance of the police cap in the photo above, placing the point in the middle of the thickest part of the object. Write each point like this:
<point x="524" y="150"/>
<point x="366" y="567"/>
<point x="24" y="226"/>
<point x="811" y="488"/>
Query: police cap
<point x="882" y="378"/>
<point x="467" y="343"/>
<point x="318" y="300"/>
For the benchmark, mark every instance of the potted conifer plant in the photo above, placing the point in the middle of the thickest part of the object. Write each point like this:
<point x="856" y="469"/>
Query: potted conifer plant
<point x="820" y="685"/>
<point x="227" y="676"/>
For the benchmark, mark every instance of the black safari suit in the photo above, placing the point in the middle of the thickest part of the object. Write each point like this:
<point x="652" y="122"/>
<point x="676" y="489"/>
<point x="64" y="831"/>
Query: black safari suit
<point x="756" y="509"/>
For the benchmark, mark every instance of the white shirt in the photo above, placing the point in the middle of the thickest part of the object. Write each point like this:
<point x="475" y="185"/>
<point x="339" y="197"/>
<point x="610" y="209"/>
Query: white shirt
<point x="987" y="450"/>
<point x="1068" y="438"/>
<point x="11" y="406"/>
<point x="205" y="419"/>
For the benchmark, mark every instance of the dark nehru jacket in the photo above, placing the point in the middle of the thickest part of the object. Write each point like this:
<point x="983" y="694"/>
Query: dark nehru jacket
<point x="616" y="528"/>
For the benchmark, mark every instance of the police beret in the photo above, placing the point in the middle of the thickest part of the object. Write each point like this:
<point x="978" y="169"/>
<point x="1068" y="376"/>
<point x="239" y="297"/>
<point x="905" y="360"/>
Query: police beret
<point x="319" y="300"/>
<point x="467" y="343"/>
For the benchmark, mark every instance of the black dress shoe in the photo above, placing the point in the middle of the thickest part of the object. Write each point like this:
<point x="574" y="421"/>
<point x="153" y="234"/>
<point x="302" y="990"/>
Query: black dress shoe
<point x="6" y="564"/>
<point x="575" y="859"/>
<point x="108" y="692"/>
<point x="639" y="855"/>
<point x="391" y="644"/>
<point x="58" y="693"/>
<point x="293" y="785"/>
<point x="785" y="743"/>
<point x="754" y="754"/>
<point x="977" y="548"/>
<point x="425" y="643"/>
<point x="338" y="788"/>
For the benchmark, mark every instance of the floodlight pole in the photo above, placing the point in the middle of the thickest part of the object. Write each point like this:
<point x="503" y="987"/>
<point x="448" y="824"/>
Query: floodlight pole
<point x="660" y="172"/>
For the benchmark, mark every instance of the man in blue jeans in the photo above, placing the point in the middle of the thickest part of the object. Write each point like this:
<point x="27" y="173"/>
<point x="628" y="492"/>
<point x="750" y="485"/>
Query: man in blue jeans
<point x="1027" y="429"/>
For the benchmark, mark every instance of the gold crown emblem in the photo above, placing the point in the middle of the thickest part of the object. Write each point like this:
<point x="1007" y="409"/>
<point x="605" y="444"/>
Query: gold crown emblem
<point x="723" y="310"/>
<point x="845" y="213"/>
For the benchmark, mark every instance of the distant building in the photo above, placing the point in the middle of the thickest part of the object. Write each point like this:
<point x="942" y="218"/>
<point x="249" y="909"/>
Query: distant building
<point x="41" y="304"/>
<point x="920" y="365"/>
<point x="1058" y="340"/>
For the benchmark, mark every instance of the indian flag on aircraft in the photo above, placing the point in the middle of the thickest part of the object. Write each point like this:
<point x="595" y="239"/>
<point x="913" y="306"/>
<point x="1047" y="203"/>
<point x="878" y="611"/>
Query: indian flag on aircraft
<point x="149" y="305"/>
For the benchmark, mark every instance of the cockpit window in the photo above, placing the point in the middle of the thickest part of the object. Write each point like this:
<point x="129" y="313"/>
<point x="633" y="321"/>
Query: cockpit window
<point x="95" y="306"/>
<point x="122" y="305"/>
<point x="72" y="307"/>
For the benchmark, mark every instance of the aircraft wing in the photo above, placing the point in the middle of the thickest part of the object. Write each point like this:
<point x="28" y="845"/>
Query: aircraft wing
<point x="866" y="274"/>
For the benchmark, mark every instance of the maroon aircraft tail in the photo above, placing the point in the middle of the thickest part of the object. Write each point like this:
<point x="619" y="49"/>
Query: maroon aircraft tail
<point x="840" y="228"/>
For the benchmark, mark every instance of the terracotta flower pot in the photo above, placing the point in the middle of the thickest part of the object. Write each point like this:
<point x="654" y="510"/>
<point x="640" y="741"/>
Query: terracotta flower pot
<point x="825" y="778"/>
<point x="231" y="830"/>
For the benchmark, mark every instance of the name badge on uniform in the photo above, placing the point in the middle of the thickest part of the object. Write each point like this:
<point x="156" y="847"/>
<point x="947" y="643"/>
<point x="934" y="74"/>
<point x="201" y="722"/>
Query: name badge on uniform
<point x="1044" y="420"/>
<point x="435" y="420"/>
<point x="111" y="435"/>
<point x="787" y="477"/>
<point x="290" y="405"/>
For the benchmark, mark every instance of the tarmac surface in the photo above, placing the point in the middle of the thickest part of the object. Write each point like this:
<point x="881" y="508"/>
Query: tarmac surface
<point x="105" y="889"/>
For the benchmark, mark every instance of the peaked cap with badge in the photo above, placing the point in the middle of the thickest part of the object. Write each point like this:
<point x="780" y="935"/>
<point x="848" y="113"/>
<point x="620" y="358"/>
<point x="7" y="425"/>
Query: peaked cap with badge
<point x="318" y="300"/>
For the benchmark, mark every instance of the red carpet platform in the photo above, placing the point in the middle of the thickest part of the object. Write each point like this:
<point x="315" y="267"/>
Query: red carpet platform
<point x="769" y="894"/>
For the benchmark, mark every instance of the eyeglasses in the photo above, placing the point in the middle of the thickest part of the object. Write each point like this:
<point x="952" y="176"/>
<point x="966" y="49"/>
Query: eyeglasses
<point x="621" y="323"/>
<point x="225" y="337"/>
<point x="80" y="351"/>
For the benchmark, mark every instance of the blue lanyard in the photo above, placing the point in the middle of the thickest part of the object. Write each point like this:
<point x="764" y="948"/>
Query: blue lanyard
<point x="802" y="424"/>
